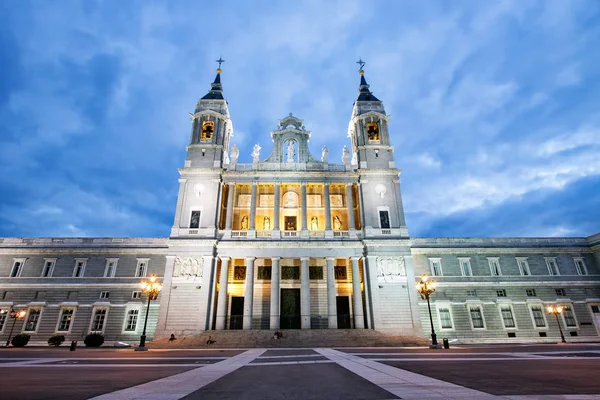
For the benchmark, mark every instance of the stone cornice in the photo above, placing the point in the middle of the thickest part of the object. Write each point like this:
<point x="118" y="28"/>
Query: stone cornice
<point x="498" y="250"/>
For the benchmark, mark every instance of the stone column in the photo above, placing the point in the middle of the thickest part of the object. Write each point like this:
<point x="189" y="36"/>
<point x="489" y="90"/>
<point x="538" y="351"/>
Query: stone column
<point x="305" y="293"/>
<point x="331" y="294"/>
<point x="275" y="311"/>
<point x="249" y="292"/>
<point x="222" y="299"/>
<point x="370" y="273"/>
<point x="303" y="186"/>
<point x="350" y="203"/>
<point x="327" y="208"/>
<point x="229" y="216"/>
<point x="276" y="210"/>
<point x="359" y="321"/>
<point x="253" y="208"/>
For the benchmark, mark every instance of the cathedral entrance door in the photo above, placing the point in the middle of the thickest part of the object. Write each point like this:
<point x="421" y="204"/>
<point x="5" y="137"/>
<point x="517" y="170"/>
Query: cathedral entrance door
<point x="236" y="319"/>
<point x="343" y="312"/>
<point x="290" y="309"/>
<point x="290" y="223"/>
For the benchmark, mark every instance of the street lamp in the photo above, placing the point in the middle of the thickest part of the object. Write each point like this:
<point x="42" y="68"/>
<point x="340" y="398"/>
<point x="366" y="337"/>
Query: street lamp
<point x="425" y="287"/>
<point x="15" y="315"/>
<point x="555" y="310"/>
<point x="151" y="289"/>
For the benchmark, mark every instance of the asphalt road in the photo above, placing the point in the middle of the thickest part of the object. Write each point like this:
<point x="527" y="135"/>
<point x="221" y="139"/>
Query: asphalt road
<point x="363" y="373"/>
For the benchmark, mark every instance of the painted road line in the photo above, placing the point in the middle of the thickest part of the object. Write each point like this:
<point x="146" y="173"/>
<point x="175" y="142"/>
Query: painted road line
<point x="260" y="364"/>
<point x="180" y="385"/>
<point x="404" y="384"/>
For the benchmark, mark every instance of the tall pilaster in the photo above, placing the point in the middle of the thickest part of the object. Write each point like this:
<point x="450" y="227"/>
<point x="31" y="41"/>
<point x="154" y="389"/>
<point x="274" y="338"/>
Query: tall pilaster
<point x="229" y="216"/>
<point x="249" y="292"/>
<point x="331" y="294"/>
<point x="222" y="299"/>
<point x="359" y="321"/>
<point x="253" y="208"/>
<point x="371" y="279"/>
<point x="276" y="207"/>
<point x="275" y="311"/>
<point x="305" y="293"/>
<point x="350" y="205"/>
<point x="327" y="208"/>
<point x="303" y="186"/>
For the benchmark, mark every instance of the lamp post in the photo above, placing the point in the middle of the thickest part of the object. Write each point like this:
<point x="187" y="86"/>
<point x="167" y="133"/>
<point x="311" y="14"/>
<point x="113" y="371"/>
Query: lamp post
<point x="426" y="287"/>
<point x="556" y="310"/>
<point x="15" y="315"/>
<point x="151" y="289"/>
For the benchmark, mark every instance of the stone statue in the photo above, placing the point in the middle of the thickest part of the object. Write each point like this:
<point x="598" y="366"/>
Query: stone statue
<point x="255" y="153"/>
<point x="244" y="222"/>
<point x="337" y="223"/>
<point x="266" y="224"/>
<point x="354" y="158"/>
<point x="290" y="151"/>
<point x="345" y="155"/>
<point x="324" y="154"/>
<point x="314" y="224"/>
<point x="235" y="153"/>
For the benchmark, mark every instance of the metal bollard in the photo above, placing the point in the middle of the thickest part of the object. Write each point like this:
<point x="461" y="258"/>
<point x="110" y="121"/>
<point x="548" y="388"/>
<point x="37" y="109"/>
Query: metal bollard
<point x="73" y="345"/>
<point x="446" y="343"/>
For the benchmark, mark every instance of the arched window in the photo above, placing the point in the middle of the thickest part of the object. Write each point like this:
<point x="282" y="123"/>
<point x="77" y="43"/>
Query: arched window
<point x="373" y="132"/>
<point x="208" y="128"/>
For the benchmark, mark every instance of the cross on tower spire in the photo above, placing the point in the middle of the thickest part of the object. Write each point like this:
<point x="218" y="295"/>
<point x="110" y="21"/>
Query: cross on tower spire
<point x="220" y="61"/>
<point x="361" y="63"/>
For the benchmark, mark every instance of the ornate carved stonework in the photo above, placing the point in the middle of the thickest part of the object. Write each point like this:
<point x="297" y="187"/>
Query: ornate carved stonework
<point x="188" y="266"/>
<point x="390" y="269"/>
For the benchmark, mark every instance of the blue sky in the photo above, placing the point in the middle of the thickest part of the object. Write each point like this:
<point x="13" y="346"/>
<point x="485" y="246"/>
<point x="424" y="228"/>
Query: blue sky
<point x="494" y="105"/>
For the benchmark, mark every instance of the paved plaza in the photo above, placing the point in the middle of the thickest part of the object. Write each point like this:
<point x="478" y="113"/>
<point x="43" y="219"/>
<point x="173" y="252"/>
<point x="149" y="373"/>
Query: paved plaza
<point x="487" y="372"/>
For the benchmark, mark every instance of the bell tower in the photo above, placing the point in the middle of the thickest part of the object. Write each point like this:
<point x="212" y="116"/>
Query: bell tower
<point x="200" y="179"/>
<point x="374" y="156"/>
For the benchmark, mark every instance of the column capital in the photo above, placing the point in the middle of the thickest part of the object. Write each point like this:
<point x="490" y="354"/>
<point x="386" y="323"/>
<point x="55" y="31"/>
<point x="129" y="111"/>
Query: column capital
<point x="302" y="183"/>
<point x="304" y="258"/>
<point x="326" y="183"/>
<point x="332" y="259"/>
<point x="275" y="258"/>
<point x="250" y="258"/>
<point x="230" y="183"/>
<point x="357" y="258"/>
<point x="277" y="183"/>
<point x="225" y="258"/>
<point x="254" y="183"/>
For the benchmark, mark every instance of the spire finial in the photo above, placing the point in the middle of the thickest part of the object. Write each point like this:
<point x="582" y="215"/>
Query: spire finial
<point x="362" y="64"/>
<point x="220" y="61"/>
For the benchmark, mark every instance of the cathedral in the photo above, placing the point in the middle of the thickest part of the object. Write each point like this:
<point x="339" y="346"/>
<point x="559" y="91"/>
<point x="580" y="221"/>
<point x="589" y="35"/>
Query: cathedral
<point x="295" y="240"/>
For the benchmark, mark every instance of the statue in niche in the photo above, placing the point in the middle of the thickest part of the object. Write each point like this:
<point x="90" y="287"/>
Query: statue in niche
<point x="255" y="153"/>
<point x="235" y="153"/>
<point x="266" y="224"/>
<point x="244" y="222"/>
<point x="325" y="155"/>
<point x="337" y="223"/>
<point x="345" y="155"/>
<point x="314" y="224"/>
<point x="290" y="151"/>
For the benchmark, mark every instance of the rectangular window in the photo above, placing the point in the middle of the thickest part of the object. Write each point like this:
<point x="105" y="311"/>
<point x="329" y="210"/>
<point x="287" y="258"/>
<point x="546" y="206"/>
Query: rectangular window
<point x="436" y="266"/>
<point x="131" y="320"/>
<point x="136" y="295"/>
<point x="17" y="268"/>
<point x="32" y="320"/>
<point x="552" y="266"/>
<point x="501" y="293"/>
<point x="141" y="269"/>
<point x="48" y="267"/>
<point x="384" y="219"/>
<point x="79" y="268"/>
<point x="560" y="292"/>
<point x="596" y="309"/>
<point x="569" y="317"/>
<point x="476" y="317"/>
<point x="494" y="263"/>
<point x="315" y="272"/>
<point x="111" y="267"/>
<point x="580" y="266"/>
<point x="66" y="317"/>
<point x="445" y="319"/>
<point x="3" y="315"/>
<point x="98" y="320"/>
<point x="471" y="293"/>
<point x="523" y="266"/>
<point x="104" y="295"/>
<point x="195" y="219"/>
<point x="507" y="317"/>
<point x="530" y="292"/>
<point x="465" y="266"/>
<point x="538" y="316"/>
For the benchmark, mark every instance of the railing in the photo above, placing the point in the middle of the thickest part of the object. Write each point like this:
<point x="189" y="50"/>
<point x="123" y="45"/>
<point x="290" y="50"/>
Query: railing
<point x="341" y="233"/>
<point x="290" y="233"/>
<point x="264" y="166"/>
<point x="386" y="231"/>
<point x="239" y="233"/>
<point x="264" y="234"/>
<point x="317" y="233"/>
<point x="193" y="232"/>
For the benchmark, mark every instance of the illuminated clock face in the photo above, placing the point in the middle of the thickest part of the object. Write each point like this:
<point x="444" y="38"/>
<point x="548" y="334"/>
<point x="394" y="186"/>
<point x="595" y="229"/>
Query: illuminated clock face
<point x="208" y="127"/>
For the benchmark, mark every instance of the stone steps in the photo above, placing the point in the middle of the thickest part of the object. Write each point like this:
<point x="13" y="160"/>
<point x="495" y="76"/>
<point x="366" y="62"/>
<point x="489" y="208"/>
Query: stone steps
<point x="292" y="338"/>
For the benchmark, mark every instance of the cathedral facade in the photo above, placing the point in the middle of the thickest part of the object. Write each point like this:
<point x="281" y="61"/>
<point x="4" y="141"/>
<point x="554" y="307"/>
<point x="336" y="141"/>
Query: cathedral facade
<point x="298" y="241"/>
